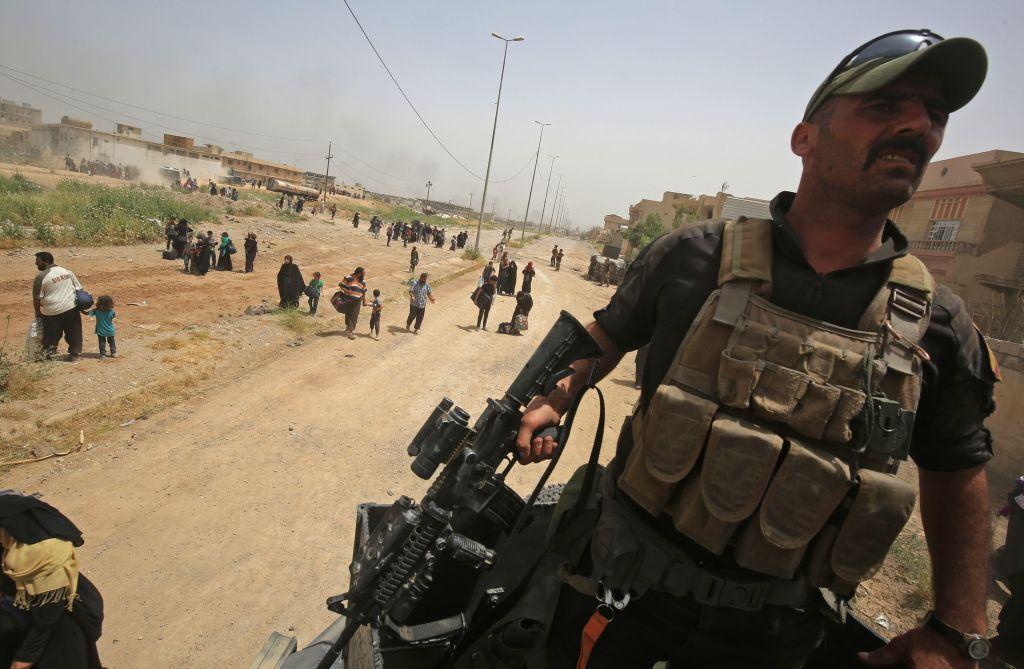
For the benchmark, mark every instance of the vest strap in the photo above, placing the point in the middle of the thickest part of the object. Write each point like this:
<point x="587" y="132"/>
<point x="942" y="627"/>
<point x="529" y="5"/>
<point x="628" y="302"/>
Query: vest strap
<point x="732" y="301"/>
<point x="746" y="251"/>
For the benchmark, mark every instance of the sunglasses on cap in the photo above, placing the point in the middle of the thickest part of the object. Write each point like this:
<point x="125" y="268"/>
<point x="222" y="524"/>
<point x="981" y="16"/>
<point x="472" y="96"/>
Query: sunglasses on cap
<point x="890" y="45"/>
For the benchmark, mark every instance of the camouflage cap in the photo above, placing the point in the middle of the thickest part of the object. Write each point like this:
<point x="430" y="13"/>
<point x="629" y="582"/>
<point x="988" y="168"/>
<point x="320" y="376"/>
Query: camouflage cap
<point x="959" y="62"/>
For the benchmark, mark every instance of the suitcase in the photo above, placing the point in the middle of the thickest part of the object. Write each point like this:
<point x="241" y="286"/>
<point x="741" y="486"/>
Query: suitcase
<point x="168" y="255"/>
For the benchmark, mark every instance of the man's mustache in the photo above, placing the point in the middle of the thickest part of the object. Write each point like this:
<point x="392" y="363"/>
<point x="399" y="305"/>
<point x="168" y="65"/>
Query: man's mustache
<point x="915" y="144"/>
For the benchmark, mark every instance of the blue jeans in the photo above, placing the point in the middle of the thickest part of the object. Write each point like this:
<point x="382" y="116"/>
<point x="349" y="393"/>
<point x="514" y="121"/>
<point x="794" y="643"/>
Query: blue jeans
<point x="313" y="303"/>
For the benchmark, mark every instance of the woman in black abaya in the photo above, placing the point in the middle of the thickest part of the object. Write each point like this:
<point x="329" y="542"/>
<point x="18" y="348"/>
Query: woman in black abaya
<point x="289" y="284"/>
<point x="50" y="615"/>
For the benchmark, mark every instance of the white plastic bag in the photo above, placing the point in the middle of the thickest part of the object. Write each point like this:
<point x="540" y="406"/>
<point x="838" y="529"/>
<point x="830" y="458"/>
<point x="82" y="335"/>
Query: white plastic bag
<point x="34" y="340"/>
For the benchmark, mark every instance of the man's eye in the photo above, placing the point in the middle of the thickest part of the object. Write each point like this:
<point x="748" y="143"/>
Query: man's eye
<point x="883" y="105"/>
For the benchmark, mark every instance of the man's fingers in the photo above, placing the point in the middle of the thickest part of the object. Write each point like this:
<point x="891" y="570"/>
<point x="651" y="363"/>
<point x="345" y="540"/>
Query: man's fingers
<point x="889" y="654"/>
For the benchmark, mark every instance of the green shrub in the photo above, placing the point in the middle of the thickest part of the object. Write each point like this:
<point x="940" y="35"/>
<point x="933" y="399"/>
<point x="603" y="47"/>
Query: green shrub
<point x="76" y="212"/>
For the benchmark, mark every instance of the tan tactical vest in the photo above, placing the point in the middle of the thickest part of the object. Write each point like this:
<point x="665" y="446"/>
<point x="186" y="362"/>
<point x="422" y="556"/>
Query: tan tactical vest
<point x="779" y="435"/>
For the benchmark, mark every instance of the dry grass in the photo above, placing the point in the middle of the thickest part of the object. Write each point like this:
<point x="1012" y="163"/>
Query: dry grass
<point x="198" y="350"/>
<point x="169" y="344"/>
<point x="295" y="320"/>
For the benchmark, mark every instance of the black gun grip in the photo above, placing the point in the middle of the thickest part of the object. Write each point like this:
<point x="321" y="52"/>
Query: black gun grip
<point x="553" y="432"/>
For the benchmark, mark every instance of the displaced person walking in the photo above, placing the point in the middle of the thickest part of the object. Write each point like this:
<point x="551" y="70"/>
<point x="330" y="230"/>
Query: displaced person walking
<point x="484" y="301"/>
<point x="313" y="291"/>
<point x="250" y="251"/>
<point x="377" y="307"/>
<point x="54" y="300"/>
<point x="188" y="255"/>
<point x="104" y="314"/>
<point x="528" y="273"/>
<point x="354" y="289"/>
<point x="289" y="284"/>
<point x="414" y="259"/>
<point x="419" y="293"/>
<point x="224" y="251"/>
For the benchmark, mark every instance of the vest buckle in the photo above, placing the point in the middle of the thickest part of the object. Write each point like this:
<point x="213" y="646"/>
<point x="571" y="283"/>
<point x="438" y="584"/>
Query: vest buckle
<point x="712" y="590"/>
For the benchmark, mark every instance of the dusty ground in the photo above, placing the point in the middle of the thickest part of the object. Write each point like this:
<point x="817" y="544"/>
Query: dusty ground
<point x="211" y="524"/>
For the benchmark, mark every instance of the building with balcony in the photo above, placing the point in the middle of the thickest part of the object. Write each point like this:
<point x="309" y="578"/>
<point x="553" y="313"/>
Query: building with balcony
<point x="966" y="222"/>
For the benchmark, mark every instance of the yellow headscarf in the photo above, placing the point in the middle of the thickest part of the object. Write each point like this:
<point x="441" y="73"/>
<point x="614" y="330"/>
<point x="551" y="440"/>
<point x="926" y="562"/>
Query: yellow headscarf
<point x="42" y="572"/>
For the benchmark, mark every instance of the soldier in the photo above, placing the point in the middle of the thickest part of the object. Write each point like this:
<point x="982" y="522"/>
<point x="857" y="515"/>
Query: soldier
<point x="606" y="272"/>
<point x="758" y="465"/>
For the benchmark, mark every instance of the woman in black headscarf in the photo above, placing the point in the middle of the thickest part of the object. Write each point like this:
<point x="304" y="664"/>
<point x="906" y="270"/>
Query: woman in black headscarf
<point x="289" y="284"/>
<point x="50" y="615"/>
<point x="201" y="264"/>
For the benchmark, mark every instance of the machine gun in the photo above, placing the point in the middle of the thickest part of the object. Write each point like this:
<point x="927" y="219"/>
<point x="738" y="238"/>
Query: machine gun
<point x="443" y="538"/>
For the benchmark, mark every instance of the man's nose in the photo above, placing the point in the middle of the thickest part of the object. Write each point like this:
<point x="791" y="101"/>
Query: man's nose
<point x="915" y="120"/>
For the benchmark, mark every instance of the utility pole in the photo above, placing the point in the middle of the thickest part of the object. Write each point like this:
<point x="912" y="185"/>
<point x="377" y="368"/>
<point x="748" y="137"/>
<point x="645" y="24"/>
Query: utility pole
<point x="554" y="204"/>
<point x="470" y="200"/>
<point x="427" y="206"/>
<point x="543" y="209"/>
<point x="327" y="172"/>
<point x="526" y="215"/>
<point x="494" y="131"/>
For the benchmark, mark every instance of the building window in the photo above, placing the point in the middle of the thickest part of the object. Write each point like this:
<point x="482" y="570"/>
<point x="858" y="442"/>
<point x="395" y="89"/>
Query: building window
<point x="949" y="208"/>
<point x="943" y="231"/>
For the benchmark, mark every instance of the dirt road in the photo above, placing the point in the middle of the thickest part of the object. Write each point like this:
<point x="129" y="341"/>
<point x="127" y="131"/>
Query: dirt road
<point x="231" y="515"/>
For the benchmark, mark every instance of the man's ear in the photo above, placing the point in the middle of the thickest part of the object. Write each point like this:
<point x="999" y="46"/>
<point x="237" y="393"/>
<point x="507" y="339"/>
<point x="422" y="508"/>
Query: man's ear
<point x="803" y="139"/>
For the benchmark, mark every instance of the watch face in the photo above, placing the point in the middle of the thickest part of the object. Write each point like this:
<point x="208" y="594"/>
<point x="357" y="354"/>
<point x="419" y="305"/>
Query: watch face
<point x="978" y="649"/>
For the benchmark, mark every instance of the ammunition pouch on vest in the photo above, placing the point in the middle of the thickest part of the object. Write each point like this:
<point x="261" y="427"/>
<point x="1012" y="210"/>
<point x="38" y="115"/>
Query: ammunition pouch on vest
<point x="776" y="435"/>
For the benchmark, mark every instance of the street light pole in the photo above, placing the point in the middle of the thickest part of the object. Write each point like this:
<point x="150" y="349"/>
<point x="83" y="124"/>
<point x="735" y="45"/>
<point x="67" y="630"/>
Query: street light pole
<point x="429" y="184"/>
<point x="470" y="200"/>
<point x="327" y="173"/>
<point x="554" y="204"/>
<point x="547" y="189"/>
<point x="494" y="131"/>
<point x="526" y="215"/>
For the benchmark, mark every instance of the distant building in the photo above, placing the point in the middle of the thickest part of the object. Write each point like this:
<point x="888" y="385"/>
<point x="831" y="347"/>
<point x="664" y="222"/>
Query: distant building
<point x="675" y="209"/>
<point x="316" y="180"/>
<point x="78" y="140"/>
<point x="350" y="190"/>
<point x="244" y="165"/>
<point x="19" y="114"/>
<point x="966" y="222"/>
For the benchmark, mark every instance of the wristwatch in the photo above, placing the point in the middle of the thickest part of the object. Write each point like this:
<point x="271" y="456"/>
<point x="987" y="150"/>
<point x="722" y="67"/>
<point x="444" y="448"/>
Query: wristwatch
<point x="973" y="646"/>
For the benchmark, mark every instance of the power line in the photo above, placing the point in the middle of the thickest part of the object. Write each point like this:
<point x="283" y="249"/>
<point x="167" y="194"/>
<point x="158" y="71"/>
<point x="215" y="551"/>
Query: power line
<point x="70" y="101"/>
<point x="400" y="90"/>
<point x="160" y="113"/>
<point x="63" y="97"/>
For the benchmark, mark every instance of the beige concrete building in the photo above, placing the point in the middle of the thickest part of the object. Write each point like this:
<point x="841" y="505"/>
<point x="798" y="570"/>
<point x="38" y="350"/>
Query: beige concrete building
<point x="246" y="166"/>
<point x="675" y="209"/>
<point x="19" y="114"/>
<point x="78" y="140"/>
<point x="966" y="222"/>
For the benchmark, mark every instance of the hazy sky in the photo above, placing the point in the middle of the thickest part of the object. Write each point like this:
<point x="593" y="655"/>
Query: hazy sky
<point x="644" y="96"/>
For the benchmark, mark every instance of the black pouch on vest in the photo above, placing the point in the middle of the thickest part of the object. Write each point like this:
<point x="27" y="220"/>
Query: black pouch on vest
<point x="808" y="487"/>
<point x="667" y="442"/>
<point x="737" y="467"/>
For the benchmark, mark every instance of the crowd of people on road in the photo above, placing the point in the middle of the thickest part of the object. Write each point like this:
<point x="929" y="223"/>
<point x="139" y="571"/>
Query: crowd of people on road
<point x="201" y="252"/>
<point x="503" y="282"/>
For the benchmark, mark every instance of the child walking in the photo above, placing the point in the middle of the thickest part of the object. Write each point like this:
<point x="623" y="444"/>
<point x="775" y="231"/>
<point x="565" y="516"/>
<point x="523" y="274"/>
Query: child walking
<point x="104" y="315"/>
<point x="316" y="286"/>
<point x="377" y="306"/>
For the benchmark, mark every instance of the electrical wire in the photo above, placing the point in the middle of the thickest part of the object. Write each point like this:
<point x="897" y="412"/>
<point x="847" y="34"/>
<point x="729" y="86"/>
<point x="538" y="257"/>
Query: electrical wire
<point x="37" y="88"/>
<point x="400" y="90"/>
<point x="70" y="101"/>
<point x="160" y="113"/>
